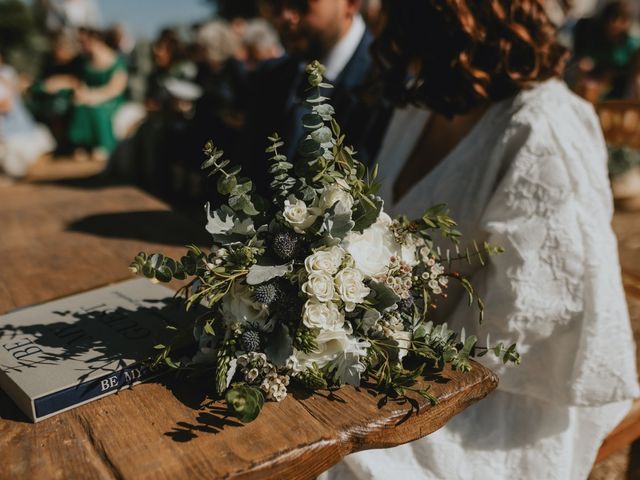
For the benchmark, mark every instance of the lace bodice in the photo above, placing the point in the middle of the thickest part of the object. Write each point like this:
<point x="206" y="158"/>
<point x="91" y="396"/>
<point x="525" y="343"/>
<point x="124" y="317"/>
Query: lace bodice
<point x="531" y="177"/>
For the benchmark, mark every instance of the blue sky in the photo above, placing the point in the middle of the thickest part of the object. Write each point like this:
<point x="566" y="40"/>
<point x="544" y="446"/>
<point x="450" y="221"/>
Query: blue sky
<point x="146" y="17"/>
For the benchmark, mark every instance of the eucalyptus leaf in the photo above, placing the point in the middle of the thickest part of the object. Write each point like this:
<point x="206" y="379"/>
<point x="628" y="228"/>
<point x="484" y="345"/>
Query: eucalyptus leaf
<point x="312" y="121"/>
<point x="382" y="296"/>
<point x="279" y="345"/>
<point x="226" y="184"/>
<point x="263" y="273"/>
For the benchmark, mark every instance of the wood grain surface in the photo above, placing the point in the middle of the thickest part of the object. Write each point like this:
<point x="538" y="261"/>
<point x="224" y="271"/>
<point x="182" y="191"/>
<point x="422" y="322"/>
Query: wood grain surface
<point x="56" y="240"/>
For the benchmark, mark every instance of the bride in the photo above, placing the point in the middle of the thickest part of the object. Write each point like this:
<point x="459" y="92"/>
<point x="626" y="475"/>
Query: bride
<point x="489" y="128"/>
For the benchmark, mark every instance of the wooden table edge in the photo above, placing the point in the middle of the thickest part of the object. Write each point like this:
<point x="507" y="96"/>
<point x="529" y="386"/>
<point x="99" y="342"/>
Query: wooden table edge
<point x="419" y="425"/>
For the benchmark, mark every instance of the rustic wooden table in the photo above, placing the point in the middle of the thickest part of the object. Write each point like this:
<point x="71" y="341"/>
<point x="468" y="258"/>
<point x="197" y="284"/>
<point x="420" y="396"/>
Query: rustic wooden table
<point x="56" y="240"/>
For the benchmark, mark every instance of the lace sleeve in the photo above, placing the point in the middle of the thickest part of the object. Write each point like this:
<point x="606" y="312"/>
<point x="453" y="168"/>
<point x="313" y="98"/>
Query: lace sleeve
<point x="556" y="290"/>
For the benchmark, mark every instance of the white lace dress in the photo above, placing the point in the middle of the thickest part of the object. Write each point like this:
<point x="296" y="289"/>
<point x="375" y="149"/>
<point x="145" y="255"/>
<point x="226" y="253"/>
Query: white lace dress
<point x="531" y="176"/>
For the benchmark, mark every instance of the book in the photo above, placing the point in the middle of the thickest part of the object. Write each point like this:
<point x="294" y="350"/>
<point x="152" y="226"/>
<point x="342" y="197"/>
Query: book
<point x="64" y="353"/>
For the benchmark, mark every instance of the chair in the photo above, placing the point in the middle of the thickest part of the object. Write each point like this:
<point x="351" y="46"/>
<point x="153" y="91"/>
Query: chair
<point x="620" y="122"/>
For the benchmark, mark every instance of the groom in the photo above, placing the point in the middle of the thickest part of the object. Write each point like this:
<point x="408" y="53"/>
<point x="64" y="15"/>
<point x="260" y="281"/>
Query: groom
<point x="333" y="32"/>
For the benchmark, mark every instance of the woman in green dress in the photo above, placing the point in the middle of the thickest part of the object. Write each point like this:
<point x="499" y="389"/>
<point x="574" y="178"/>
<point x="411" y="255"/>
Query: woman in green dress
<point x="100" y="92"/>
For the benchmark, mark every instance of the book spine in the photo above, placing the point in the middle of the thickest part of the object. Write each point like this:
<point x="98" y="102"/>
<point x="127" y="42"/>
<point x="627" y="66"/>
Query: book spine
<point x="20" y="398"/>
<point x="95" y="388"/>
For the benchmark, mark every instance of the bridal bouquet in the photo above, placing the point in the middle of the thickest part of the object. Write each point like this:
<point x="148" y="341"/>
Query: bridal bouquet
<point x="317" y="286"/>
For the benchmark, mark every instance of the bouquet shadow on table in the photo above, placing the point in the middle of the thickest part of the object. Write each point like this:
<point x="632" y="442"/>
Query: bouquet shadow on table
<point x="142" y="225"/>
<point x="317" y="286"/>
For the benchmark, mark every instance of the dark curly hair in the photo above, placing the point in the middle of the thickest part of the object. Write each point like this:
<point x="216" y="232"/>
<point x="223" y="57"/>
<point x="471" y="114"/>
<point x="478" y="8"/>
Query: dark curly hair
<point x="454" y="55"/>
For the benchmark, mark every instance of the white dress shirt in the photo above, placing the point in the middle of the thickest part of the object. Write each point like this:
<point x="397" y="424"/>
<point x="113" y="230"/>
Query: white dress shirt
<point x="340" y="55"/>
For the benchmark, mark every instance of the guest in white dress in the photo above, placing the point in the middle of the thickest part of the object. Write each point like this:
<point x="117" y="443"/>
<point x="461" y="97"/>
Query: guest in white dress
<point x="521" y="162"/>
<point x="22" y="140"/>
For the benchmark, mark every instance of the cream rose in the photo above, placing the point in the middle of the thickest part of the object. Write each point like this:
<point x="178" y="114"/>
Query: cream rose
<point x="319" y="285"/>
<point x="326" y="261"/>
<point x="372" y="249"/>
<point x="324" y="316"/>
<point x="334" y="194"/>
<point x="298" y="215"/>
<point x="351" y="288"/>
<point x="331" y="343"/>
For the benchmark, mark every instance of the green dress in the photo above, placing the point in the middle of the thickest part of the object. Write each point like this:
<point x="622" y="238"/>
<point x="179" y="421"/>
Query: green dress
<point x="92" y="125"/>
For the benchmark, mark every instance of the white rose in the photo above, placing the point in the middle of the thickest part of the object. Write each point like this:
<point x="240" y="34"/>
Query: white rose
<point x="325" y="316"/>
<point x="298" y="215"/>
<point x="351" y="288"/>
<point x="334" y="194"/>
<point x="372" y="249"/>
<point x="319" y="285"/>
<point x="325" y="261"/>
<point x="332" y="344"/>
<point x="239" y="306"/>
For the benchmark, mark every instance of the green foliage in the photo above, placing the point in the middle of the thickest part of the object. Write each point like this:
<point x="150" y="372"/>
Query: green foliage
<point x="245" y="402"/>
<point x="279" y="345"/>
<point x="223" y="364"/>
<point x="381" y="296"/>
<point x="437" y="217"/>
<point x="313" y="378"/>
<point x="263" y="273"/>
<point x="305" y="339"/>
<point x="366" y="212"/>
<point x="237" y="188"/>
<point x="158" y="267"/>
<point x="282" y="181"/>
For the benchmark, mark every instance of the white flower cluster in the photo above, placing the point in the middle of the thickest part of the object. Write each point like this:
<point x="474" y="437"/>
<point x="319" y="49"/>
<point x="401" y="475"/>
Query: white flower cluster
<point x="398" y="277"/>
<point x="433" y="276"/>
<point x="255" y="369"/>
<point x="275" y="386"/>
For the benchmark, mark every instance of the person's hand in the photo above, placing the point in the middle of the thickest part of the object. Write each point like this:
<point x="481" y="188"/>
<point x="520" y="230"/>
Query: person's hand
<point x="6" y="101"/>
<point x="83" y="95"/>
<point x="5" y="104"/>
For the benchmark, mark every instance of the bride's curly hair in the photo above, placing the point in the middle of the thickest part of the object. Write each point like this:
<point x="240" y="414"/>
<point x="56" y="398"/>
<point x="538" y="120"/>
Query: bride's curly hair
<point x="460" y="54"/>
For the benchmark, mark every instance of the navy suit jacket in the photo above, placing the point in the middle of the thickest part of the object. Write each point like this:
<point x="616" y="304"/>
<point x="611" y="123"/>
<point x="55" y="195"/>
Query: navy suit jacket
<point x="277" y="96"/>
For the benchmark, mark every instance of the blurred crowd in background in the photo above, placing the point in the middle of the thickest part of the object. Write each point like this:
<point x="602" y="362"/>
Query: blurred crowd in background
<point x="146" y="108"/>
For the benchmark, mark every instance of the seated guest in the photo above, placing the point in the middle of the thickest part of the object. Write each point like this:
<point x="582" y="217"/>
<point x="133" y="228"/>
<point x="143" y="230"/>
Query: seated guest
<point x="333" y="32"/>
<point x="22" y="140"/>
<point x="103" y="81"/>
<point x="260" y="43"/>
<point x="170" y="102"/>
<point x="604" y="53"/>
<point x="487" y="126"/>
<point x="219" y="112"/>
<point x="166" y="54"/>
<point x="52" y="94"/>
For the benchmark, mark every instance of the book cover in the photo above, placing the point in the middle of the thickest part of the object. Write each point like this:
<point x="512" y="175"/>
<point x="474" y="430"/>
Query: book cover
<point x="61" y="354"/>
